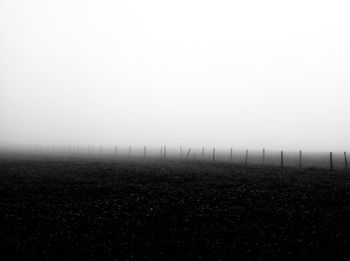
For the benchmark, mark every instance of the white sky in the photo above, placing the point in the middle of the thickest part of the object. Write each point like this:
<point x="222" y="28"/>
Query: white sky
<point x="246" y="74"/>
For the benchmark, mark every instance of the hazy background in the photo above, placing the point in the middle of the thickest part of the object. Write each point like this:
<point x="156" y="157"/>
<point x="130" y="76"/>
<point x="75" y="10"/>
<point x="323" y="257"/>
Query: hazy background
<point x="246" y="74"/>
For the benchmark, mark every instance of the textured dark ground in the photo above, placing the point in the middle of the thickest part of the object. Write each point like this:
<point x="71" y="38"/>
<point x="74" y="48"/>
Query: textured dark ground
<point x="90" y="209"/>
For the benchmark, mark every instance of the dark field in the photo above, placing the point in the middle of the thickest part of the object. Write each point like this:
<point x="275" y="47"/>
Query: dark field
<point x="52" y="208"/>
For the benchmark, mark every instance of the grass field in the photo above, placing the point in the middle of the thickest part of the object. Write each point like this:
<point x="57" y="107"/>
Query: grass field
<point x="55" y="208"/>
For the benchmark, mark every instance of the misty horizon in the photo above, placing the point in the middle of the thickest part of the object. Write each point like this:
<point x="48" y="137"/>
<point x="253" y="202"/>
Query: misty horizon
<point x="246" y="75"/>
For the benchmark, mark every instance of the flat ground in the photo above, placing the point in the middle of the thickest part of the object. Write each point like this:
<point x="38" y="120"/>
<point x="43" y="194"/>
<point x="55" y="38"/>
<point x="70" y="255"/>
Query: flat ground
<point x="90" y="209"/>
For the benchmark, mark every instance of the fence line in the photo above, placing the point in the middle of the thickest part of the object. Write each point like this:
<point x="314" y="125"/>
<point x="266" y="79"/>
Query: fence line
<point x="263" y="157"/>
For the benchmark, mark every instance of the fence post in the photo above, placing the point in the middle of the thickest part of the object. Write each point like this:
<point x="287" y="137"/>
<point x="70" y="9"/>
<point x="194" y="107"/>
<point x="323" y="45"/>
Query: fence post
<point x="161" y="151"/>
<point x="145" y="152"/>
<point x="231" y="155"/>
<point x="129" y="152"/>
<point x="188" y="153"/>
<point x="346" y="161"/>
<point x="246" y="158"/>
<point x="180" y="152"/>
<point x="164" y="155"/>
<point x="331" y="161"/>
<point x="115" y="150"/>
<point x="263" y="157"/>
<point x="300" y="159"/>
<point x="213" y="154"/>
<point x="282" y="164"/>
<point x="202" y="153"/>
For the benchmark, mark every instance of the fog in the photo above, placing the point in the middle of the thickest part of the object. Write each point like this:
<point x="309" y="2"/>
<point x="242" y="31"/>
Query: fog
<point x="242" y="74"/>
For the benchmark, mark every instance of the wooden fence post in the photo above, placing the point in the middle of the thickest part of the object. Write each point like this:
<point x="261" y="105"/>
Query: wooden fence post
<point x="188" y="153"/>
<point x="282" y="163"/>
<point x="246" y="158"/>
<point x="263" y="157"/>
<point x="231" y="155"/>
<point x="145" y="152"/>
<point x="180" y="152"/>
<point x="202" y="153"/>
<point x="161" y="151"/>
<point x="300" y="159"/>
<point x="213" y="154"/>
<point x="129" y="152"/>
<point x="346" y="161"/>
<point x="331" y="161"/>
<point x="115" y="150"/>
<point x="164" y="155"/>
